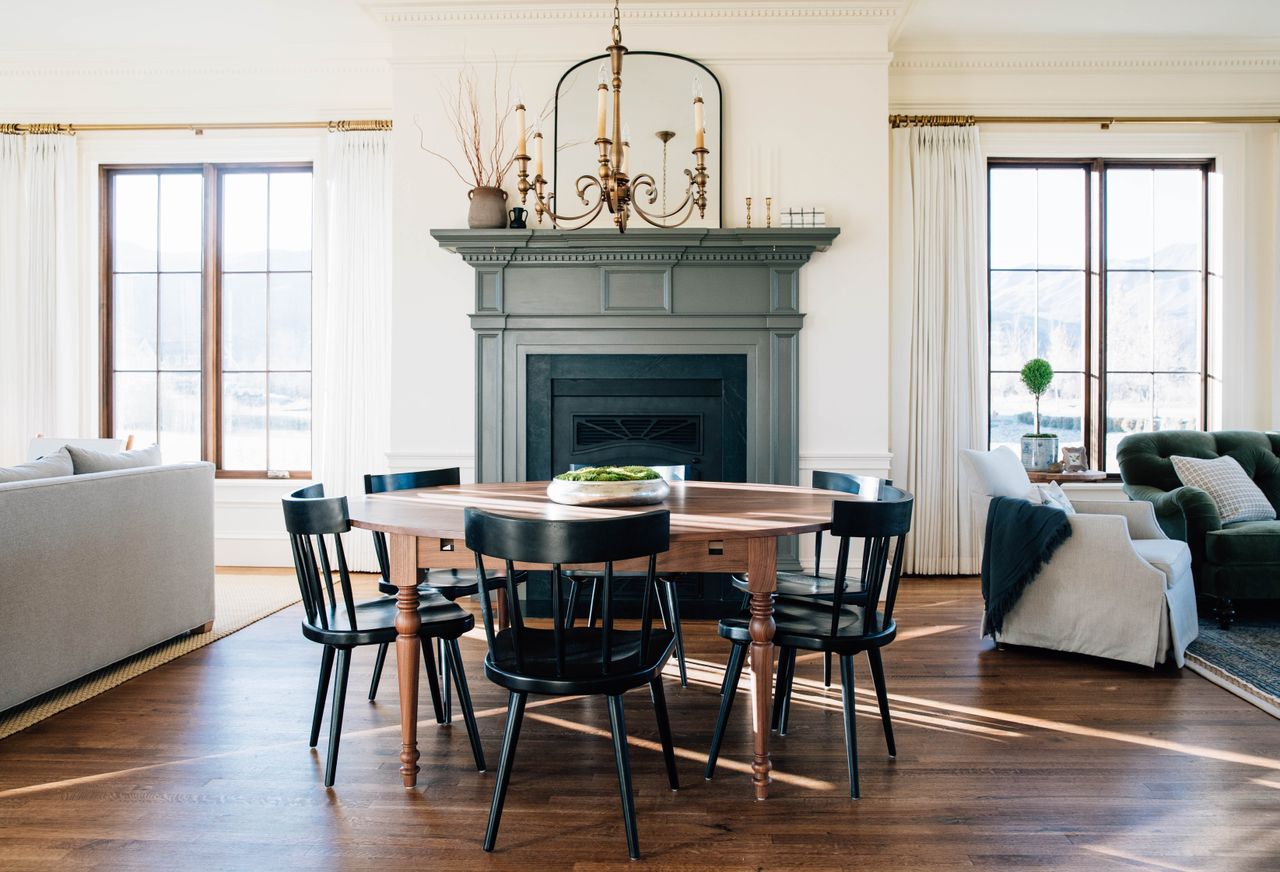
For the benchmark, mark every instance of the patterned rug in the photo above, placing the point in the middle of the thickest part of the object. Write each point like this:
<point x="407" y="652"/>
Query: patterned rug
<point x="240" y="600"/>
<point x="1245" y="659"/>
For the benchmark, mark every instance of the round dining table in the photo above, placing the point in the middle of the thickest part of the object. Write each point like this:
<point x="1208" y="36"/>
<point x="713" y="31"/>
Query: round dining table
<point x="715" y="527"/>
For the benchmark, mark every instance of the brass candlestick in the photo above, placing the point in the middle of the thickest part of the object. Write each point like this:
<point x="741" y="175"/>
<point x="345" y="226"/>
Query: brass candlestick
<point x="768" y="211"/>
<point x="748" y="213"/>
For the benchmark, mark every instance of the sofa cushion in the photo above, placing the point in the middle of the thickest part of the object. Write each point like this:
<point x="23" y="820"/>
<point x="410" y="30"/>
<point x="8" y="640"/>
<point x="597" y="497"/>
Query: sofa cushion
<point x="1228" y="485"/>
<point x="999" y="473"/>
<point x="87" y="460"/>
<point x="1249" y="542"/>
<point x="1170" y="556"/>
<point x="50" y="466"/>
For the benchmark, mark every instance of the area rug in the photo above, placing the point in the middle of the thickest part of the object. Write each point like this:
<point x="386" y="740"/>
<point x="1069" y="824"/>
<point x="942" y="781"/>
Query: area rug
<point x="1244" y="660"/>
<point x="240" y="600"/>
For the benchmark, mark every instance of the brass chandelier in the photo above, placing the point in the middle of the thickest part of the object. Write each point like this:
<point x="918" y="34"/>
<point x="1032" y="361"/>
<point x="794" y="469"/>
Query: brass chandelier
<point x="611" y="185"/>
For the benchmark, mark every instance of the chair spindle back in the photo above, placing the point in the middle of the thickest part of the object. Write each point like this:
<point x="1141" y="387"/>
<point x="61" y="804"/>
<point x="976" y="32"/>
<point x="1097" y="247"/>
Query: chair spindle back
<point x="397" y="481"/>
<point x="309" y="517"/>
<point x="882" y="524"/>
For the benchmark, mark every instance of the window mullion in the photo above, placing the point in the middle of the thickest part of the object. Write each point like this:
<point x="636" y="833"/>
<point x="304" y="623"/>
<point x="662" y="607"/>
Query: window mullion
<point x="210" y="381"/>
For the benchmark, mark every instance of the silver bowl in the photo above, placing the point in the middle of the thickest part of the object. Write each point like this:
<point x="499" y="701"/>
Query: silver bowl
<point x="608" y="493"/>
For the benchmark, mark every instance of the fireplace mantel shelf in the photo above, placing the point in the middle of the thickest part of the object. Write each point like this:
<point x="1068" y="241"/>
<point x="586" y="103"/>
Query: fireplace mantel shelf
<point x="646" y="244"/>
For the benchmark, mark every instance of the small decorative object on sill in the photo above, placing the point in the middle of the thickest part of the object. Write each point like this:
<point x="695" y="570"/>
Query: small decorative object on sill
<point x="768" y="211"/>
<point x="487" y="161"/>
<point x="803" y="216"/>
<point x="611" y="184"/>
<point x="1039" y="450"/>
<point x="518" y="216"/>
<point x="1074" y="458"/>
<point x="748" y="213"/>
<point x="608" y="486"/>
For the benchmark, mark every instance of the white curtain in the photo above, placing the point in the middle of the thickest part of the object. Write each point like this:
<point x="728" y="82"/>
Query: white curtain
<point x="41" y="340"/>
<point x="939" y="237"/>
<point x="353" y="356"/>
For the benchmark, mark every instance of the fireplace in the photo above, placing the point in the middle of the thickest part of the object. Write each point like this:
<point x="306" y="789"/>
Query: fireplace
<point x="659" y="347"/>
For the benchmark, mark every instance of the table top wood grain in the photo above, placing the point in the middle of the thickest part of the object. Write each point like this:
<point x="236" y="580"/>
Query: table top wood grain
<point x="699" y="510"/>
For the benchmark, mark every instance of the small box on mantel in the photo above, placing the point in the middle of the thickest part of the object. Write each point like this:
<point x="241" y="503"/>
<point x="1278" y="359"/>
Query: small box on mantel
<point x="803" y="216"/>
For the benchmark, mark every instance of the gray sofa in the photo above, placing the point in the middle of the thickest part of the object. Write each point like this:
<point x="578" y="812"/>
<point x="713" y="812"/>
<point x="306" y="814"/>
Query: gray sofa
<point x="99" y="566"/>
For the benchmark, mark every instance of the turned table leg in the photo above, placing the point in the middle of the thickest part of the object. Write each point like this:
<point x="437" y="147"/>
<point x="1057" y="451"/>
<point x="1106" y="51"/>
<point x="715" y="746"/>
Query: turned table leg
<point x="762" y="560"/>
<point x="404" y="574"/>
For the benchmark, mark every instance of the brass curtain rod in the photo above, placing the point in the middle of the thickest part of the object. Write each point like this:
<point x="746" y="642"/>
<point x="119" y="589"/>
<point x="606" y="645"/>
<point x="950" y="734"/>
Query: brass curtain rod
<point x="1104" y="121"/>
<point x="198" y="129"/>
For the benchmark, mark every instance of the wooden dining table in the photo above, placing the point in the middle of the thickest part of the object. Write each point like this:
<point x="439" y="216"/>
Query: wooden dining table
<point x="715" y="527"/>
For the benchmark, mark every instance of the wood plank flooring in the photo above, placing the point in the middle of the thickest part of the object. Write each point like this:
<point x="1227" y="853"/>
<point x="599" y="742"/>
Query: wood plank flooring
<point x="1013" y="759"/>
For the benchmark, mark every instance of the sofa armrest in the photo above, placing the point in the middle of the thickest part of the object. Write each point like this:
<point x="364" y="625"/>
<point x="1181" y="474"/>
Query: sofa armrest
<point x="1141" y="515"/>
<point x="1186" y="513"/>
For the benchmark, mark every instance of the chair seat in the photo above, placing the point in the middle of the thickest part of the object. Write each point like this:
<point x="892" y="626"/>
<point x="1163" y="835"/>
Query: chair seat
<point x="801" y="584"/>
<point x="375" y="620"/>
<point x="1170" y="556"/>
<point x="454" y="584"/>
<point x="1245" y="542"/>
<point x="629" y="667"/>
<point x="807" y="625"/>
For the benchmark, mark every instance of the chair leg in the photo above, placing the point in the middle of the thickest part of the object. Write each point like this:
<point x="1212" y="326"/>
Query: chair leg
<point x="784" y="716"/>
<point x="453" y="656"/>
<point x="618" y="727"/>
<point x="335" y="715"/>
<point x="377" y="670"/>
<point x="882" y="696"/>
<point x="322" y="690"/>
<point x="1226" y="611"/>
<point x="850" y="728"/>
<point x="592" y="604"/>
<point x="446" y="700"/>
<point x="724" y="681"/>
<point x="826" y="669"/>
<point x="574" y="584"/>
<point x="515" y="717"/>
<point x="433" y="679"/>
<point x="780" y="687"/>
<point x="746" y="602"/>
<point x="673" y="609"/>
<point x="734" y="672"/>
<point x="664" y="731"/>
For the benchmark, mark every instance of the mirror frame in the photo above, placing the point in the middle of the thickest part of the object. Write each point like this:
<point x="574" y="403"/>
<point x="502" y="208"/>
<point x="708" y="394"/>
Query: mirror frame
<point x="715" y="162"/>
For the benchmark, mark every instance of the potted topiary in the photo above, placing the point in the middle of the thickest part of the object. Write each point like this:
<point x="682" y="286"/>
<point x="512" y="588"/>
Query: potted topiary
<point x="1039" y="450"/>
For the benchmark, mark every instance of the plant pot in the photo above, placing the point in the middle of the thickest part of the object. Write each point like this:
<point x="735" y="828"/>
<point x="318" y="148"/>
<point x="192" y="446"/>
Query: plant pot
<point x="1039" y="451"/>
<point x="488" y="209"/>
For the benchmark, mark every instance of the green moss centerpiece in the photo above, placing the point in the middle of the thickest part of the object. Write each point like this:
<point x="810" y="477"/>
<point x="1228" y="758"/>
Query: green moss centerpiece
<point x="608" y="486"/>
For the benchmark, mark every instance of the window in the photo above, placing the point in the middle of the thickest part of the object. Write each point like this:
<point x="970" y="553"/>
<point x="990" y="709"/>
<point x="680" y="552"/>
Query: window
<point x="1102" y="268"/>
<point x="206" y="302"/>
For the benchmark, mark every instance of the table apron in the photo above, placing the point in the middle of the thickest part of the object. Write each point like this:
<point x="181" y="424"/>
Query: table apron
<point x="712" y="555"/>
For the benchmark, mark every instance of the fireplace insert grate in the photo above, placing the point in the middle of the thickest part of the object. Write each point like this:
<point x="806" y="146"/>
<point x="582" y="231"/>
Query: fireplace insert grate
<point x="682" y="432"/>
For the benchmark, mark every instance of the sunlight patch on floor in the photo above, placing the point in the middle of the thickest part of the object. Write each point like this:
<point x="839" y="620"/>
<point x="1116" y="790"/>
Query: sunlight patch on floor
<point x="1134" y="858"/>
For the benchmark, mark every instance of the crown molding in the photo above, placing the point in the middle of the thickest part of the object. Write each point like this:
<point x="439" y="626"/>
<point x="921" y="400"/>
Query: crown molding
<point x="418" y="13"/>
<point x="1167" y="60"/>
<point x="210" y="68"/>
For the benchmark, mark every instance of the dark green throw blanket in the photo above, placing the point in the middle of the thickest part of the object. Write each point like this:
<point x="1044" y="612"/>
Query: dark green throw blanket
<point x="1021" y="537"/>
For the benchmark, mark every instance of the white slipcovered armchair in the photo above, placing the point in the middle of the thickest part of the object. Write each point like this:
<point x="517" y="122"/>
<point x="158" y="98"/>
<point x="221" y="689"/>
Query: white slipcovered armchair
<point x="1117" y="588"/>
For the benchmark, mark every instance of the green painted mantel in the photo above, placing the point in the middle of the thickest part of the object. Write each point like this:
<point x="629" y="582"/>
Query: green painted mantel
<point x="649" y="292"/>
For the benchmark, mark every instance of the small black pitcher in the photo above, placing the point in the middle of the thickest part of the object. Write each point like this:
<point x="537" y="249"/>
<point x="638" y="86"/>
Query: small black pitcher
<point x="517" y="218"/>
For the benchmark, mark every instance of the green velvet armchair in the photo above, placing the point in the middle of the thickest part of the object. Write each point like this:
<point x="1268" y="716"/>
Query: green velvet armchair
<point x="1239" y="560"/>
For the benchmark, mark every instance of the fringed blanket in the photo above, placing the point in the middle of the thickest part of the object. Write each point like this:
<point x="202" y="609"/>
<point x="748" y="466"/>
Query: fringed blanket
<point x="1021" y="537"/>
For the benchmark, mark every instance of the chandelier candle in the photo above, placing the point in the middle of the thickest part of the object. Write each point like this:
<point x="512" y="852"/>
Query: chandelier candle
<point x="612" y="182"/>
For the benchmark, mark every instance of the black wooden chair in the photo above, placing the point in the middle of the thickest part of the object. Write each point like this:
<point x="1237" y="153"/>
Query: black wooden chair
<point x="836" y="624"/>
<point x="570" y="661"/>
<point x="800" y="584"/>
<point x="669" y="594"/>
<point x="452" y="584"/>
<point x="340" y="624"/>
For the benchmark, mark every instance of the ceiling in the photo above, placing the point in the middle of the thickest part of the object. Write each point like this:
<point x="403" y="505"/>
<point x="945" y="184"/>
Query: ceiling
<point x="1020" y="25"/>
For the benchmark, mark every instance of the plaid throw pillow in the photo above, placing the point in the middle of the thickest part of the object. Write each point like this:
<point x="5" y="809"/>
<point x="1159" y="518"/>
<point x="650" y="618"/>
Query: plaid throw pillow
<point x="1228" y="485"/>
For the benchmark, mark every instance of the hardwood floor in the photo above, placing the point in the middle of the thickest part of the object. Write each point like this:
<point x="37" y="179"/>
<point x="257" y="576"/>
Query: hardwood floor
<point x="1014" y="759"/>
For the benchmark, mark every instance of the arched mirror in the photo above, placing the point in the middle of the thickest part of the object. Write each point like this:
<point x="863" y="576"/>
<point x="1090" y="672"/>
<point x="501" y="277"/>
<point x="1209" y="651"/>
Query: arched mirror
<point x="657" y="98"/>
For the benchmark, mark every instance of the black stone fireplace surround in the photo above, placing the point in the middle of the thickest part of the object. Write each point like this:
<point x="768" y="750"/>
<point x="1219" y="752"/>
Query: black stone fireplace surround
<point x="642" y="343"/>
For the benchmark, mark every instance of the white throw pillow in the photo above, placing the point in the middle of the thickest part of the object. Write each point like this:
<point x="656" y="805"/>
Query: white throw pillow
<point x="51" y="465"/>
<point x="87" y="460"/>
<point x="1052" y="494"/>
<point x="1228" y="485"/>
<point x="999" y="473"/>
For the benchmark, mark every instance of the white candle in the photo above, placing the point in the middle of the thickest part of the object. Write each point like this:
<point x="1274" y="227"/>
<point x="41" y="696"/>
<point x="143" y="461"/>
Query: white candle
<point x="521" y="142"/>
<point x="537" y="152"/>
<point x="699" y="123"/>
<point x="602" y="103"/>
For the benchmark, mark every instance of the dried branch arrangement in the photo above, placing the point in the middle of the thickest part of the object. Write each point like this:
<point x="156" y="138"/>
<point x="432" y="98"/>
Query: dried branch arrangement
<point x="485" y="166"/>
